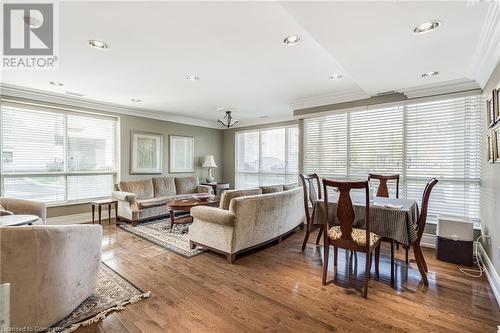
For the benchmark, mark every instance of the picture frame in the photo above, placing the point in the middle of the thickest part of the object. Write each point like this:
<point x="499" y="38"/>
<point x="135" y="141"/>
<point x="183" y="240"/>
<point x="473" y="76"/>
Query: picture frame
<point x="496" y="144"/>
<point x="491" y="147"/>
<point x="490" y="109"/>
<point x="146" y="153"/>
<point x="496" y="103"/>
<point x="181" y="154"/>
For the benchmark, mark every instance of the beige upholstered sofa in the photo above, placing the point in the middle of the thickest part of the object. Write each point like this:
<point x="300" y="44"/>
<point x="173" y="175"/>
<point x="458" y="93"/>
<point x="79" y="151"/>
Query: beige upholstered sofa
<point x="51" y="270"/>
<point x="147" y="198"/>
<point x="19" y="206"/>
<point x="246" y="219"/>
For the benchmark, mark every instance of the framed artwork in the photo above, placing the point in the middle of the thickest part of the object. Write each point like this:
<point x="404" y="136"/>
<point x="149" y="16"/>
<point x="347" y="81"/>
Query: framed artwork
<point x="146" y="153"/>
<point x="491" y="147"/>
<point x="181" y="154"/>
<point x="496" y="103"/>
<point x="497" y="145"/>
<point x="490" y="109"/>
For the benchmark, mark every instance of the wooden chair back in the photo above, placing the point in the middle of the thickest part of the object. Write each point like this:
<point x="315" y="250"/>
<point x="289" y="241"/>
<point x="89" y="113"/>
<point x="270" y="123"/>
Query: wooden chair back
<point x="345" y="211"/>
<point x="310" y="194"/>
<point x="383" y="190"/>
<point x="422" y="219"/>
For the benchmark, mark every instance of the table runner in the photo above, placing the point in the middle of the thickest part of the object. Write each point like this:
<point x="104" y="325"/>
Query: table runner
<point x="397" y="224"/>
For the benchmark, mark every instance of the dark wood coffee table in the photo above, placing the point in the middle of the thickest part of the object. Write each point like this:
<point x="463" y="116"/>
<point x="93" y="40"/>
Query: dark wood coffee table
<point x="185" y="205"/>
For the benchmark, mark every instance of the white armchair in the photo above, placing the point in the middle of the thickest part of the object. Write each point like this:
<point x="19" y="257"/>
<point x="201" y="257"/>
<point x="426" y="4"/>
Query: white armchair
<point x="51" y="270"/>
<point x="20" y="206"/>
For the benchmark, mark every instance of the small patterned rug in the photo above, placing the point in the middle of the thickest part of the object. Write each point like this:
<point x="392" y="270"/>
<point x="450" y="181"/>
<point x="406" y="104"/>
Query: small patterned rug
<point x="113" y="292"/>
<point x="158" y="232"/>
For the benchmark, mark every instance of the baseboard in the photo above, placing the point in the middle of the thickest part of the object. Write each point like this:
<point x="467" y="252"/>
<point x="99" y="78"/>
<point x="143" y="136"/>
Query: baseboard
<point x="428" y="240"/>
<point x="78" y="218"/>
<point x="489" y="270"/>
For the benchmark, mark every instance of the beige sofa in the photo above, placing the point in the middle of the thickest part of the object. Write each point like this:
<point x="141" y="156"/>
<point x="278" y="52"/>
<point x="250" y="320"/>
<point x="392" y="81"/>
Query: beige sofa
<point x="51" y="270"/>
<point x="144" y="199"/>
<point x="20" y="206"/>
<point x="250" y="220"/>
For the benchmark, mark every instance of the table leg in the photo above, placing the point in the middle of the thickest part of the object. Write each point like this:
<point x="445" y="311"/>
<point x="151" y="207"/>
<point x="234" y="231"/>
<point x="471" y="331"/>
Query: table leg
<point x="99" y="210"/>
<point x="392" y="261"/>
<point x="172" y="219"/>
<point x="93" y="213"/>
<point x="109" y="213"/>
<point x="117" y="219"/>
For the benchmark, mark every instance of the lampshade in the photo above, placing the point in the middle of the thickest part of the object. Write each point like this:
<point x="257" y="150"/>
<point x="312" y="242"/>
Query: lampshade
<point x="209" y="162"/>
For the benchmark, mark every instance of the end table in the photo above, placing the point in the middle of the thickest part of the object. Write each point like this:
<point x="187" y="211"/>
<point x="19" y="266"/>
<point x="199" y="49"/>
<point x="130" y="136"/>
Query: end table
<point x="106" y="202"/>
<point x="218" y="188"/>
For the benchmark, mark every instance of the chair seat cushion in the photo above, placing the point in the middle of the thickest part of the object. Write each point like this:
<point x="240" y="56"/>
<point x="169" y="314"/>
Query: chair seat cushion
<point x="358" y="235"/>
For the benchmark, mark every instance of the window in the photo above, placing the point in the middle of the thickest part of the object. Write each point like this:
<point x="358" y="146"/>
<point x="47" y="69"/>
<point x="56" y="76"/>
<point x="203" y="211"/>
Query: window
<point x="56" y="157"/>
<point x="267" y="157"/>
<point x="418" y="140"/>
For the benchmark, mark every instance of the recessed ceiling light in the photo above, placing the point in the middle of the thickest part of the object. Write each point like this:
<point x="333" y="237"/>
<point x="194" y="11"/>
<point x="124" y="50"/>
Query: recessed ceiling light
<point x="98" y="44"/>
<point x="192" y="77"/>
<point x="335" y="76"/>
<point x="136" y="100"/>
<point x="427" y="26"/>
<point x="292" y="40"/>
<point x="56" y="83"/>
<point x="429" y="74"/>
<point x="262" y="117"/>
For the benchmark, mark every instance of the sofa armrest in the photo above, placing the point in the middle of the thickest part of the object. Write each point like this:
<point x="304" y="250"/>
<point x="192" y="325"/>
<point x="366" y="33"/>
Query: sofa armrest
<point x="213" y="215"/>
<point x="204" y="189"/>
<point x="124" y="196"/>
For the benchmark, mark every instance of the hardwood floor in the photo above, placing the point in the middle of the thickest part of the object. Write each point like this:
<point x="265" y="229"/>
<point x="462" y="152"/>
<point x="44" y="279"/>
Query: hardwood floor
<point x="278" y="289"/>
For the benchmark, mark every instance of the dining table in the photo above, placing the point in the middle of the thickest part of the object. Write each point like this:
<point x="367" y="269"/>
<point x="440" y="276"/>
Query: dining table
<point x="391" y="218"/>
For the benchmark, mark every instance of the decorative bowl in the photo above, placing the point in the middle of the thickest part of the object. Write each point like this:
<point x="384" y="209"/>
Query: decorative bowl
<point x="202" y="196"/>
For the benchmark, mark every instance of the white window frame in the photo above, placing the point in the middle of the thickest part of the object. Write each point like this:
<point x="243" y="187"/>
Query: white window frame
<point x="65" y="111"/>
<point x="286" y="174"/>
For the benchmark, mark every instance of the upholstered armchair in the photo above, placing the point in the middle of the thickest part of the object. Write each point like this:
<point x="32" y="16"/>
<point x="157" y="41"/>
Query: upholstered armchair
<point x="20" y="206"/>
<point x="51" y="270"/>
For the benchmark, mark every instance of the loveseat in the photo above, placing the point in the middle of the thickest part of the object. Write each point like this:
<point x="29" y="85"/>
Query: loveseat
<point x="144" y="199"/>
<point x="246" y="219"/>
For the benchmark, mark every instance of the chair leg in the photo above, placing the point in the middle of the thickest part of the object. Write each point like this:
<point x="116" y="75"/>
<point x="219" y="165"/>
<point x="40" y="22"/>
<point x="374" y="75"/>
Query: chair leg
<point x="377" y="260"/>
<point x="416" y="252"/>
<point x="367" y="275"/>
<point x="406" y="255"/>
<point x="319" y="235"/>
<point x="423" y="259"/>
<point x="392" y="261"/>
<point x="335" y="255"/>
<point x="325" y="262"/>
<point x="306" y="238"/>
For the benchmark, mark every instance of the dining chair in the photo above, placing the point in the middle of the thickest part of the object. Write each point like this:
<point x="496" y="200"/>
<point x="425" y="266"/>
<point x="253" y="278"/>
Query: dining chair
<point x="422" y="219"/>
<point x="344" y="235"/>
<point x="383" y="191"/>
<point x="311" y="195"/>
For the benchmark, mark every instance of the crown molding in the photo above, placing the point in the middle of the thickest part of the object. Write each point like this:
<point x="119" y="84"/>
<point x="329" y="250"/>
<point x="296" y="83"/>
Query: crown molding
<point x="263" y="121"/>
<point x="440" y="88"/>
<point x="53" y="98"/>
<point x="326" y="99"/>
<point x="487" y="51"/>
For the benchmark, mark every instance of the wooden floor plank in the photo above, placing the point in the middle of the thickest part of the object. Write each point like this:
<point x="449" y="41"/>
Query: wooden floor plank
<point x="278" y="289"/>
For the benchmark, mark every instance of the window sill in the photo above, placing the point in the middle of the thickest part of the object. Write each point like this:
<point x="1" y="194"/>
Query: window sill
<point x="74" y="203"/>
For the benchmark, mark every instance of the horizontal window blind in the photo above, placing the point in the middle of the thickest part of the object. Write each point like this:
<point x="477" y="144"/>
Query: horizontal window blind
<point x="55" y="156"/>
<point x="267" y="157"/>
<point x="418" y="141"/>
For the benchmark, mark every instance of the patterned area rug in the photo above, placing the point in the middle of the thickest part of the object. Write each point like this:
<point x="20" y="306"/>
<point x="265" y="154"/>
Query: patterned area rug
<point x="112" y="294"/>
<point x="158" y="232"/>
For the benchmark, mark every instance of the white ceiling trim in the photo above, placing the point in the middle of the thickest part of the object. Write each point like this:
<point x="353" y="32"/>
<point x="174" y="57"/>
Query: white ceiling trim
<point x="37" y="95"/>
<point x="440" y="88"/>
<point x="487" y="52"/>
<point x="337" y="97"/>
<point x="264" y="121"/>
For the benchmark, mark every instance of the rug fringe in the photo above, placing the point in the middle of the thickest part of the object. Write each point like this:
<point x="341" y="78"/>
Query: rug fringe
<point x="100" y="316"/>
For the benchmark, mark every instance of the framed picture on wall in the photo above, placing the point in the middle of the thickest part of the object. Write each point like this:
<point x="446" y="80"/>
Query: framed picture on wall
<point x="496" y="153"/>
<point x="490" y="109"/>
<point x="491" y="147"/>
<point x="181" y="154"/>
<point x="146" y="153"/>
<point x="496" y="102"/>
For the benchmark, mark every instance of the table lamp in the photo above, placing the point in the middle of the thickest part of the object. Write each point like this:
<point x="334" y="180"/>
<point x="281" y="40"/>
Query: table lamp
<point x="209" y="163"/>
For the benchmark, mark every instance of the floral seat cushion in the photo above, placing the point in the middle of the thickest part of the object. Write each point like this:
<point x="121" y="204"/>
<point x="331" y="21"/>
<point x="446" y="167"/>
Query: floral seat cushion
<point x="358" y="235"/>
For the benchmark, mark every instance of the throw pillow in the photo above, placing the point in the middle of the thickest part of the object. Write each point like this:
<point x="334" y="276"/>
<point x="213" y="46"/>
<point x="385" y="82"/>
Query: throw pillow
<point x="271" y="189"/>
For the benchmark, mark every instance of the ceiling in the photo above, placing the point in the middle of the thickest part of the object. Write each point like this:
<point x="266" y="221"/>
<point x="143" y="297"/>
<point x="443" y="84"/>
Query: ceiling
<point x="237" y="50"/>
